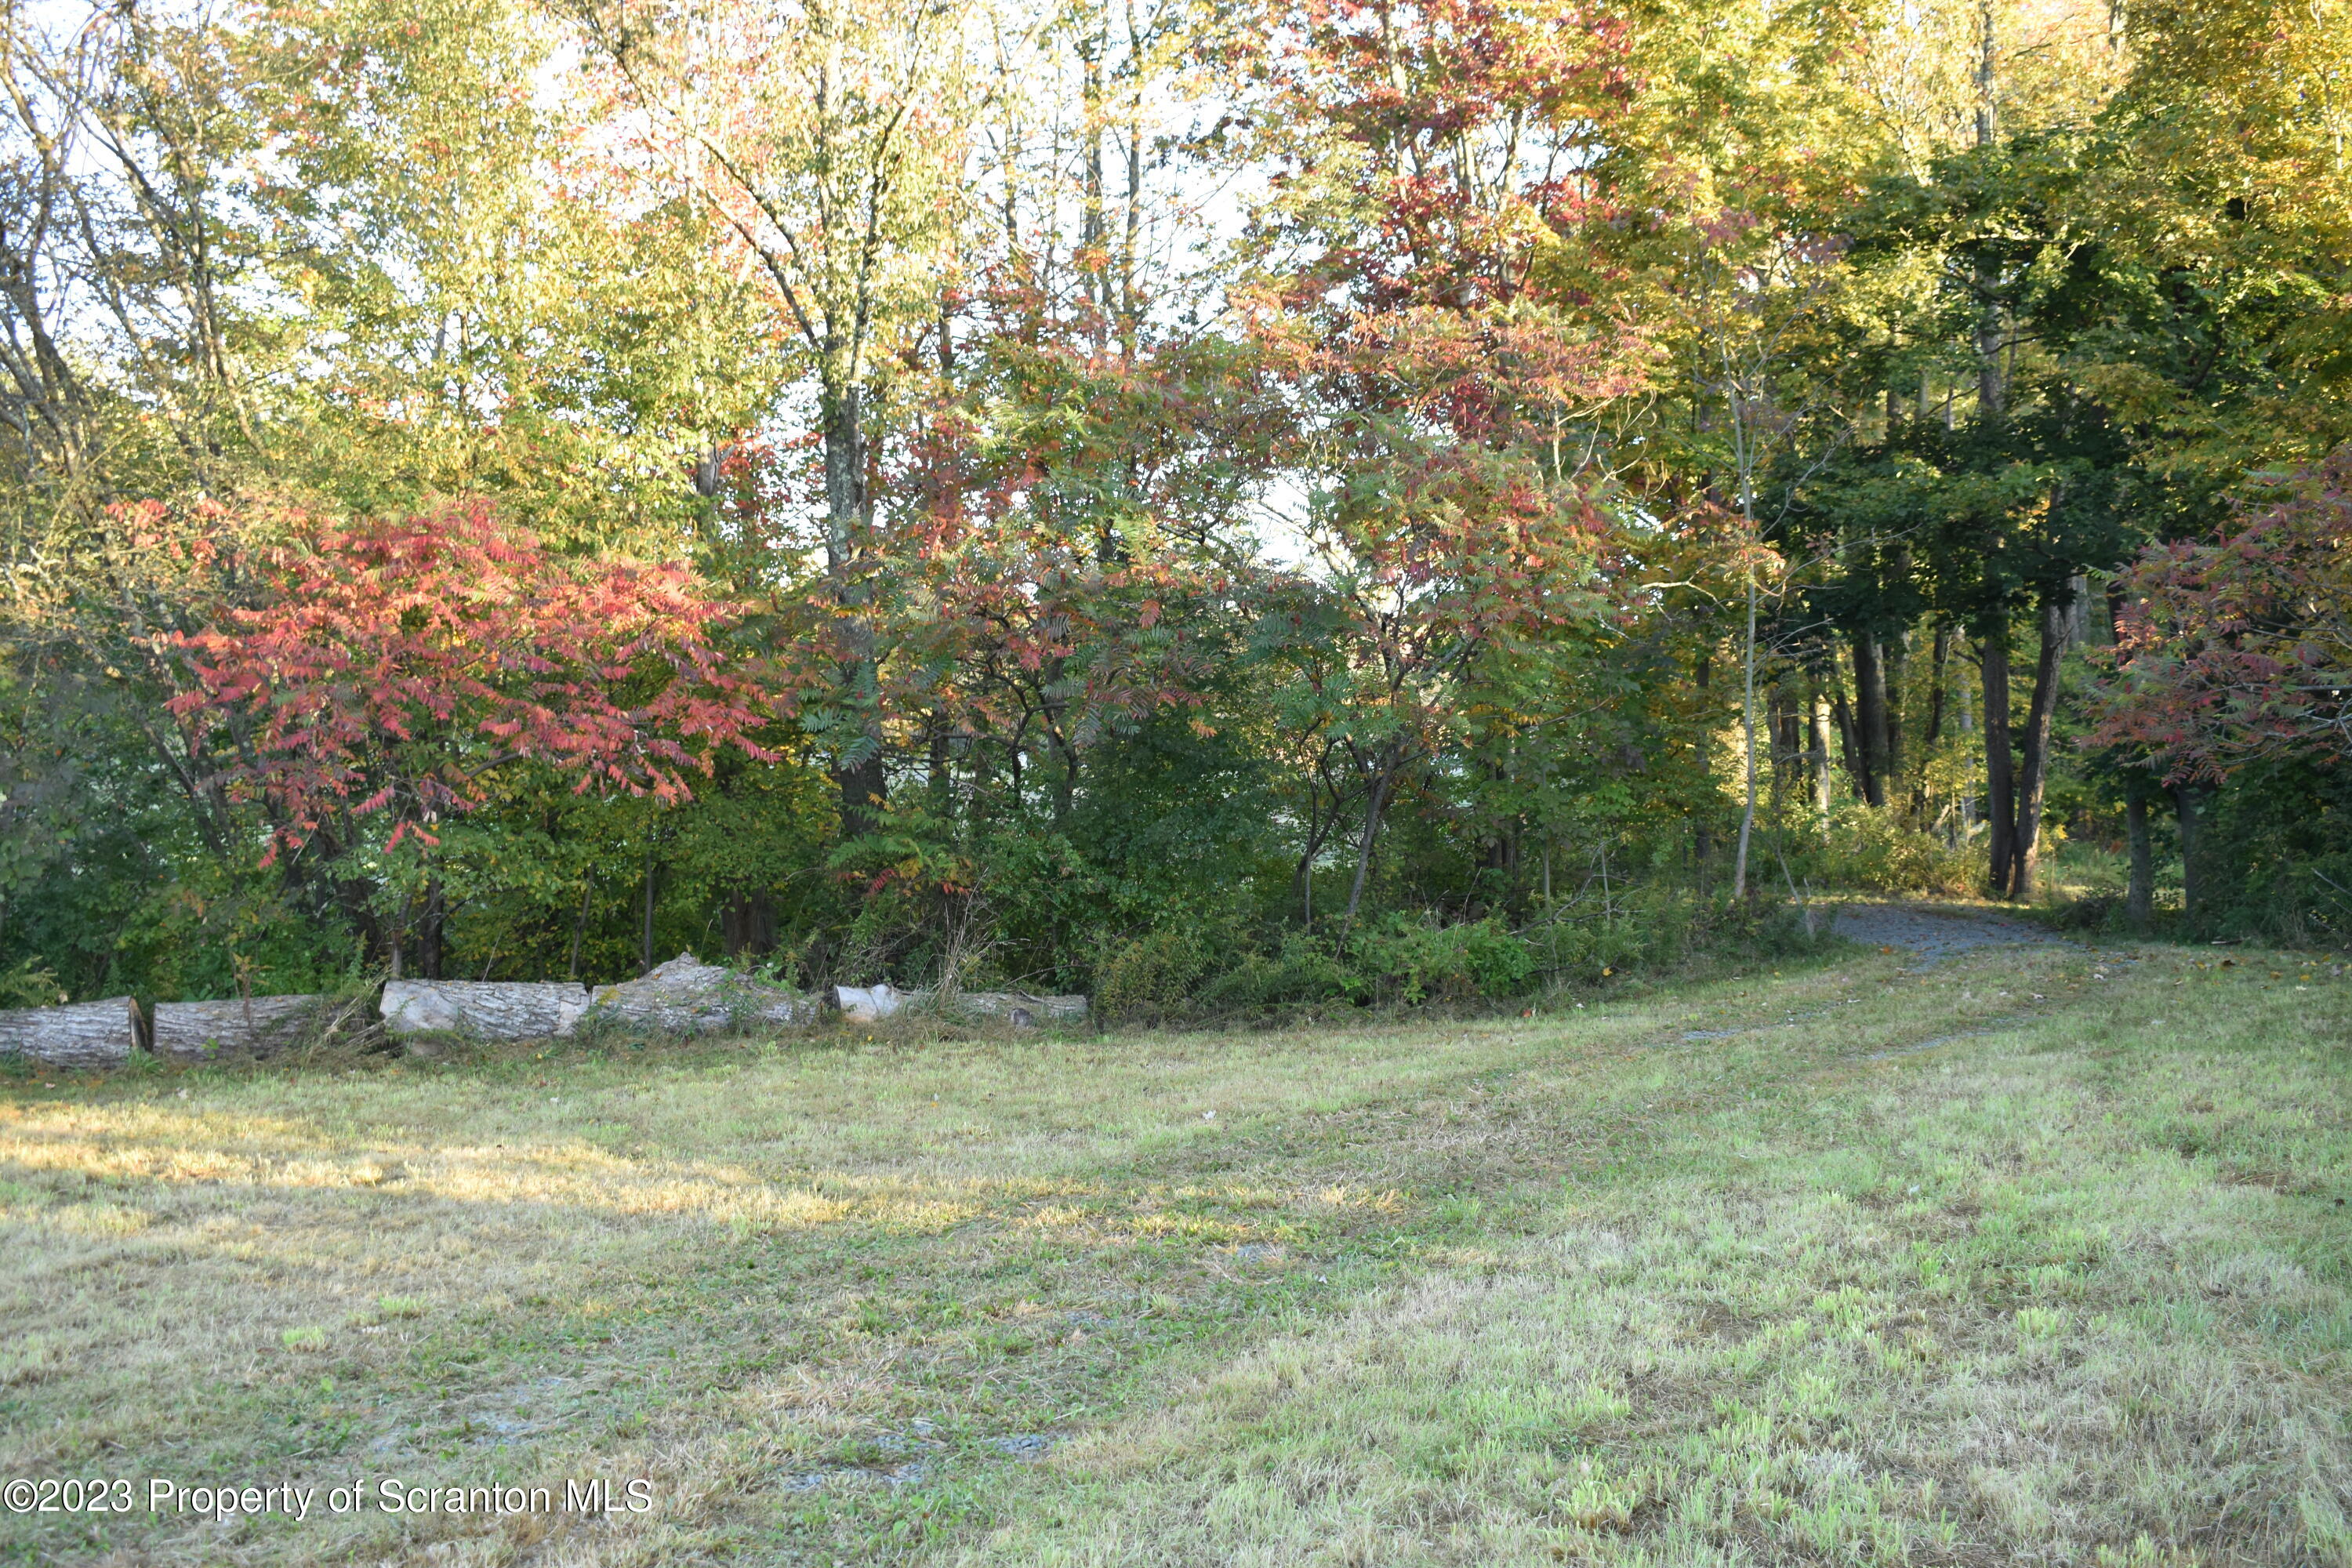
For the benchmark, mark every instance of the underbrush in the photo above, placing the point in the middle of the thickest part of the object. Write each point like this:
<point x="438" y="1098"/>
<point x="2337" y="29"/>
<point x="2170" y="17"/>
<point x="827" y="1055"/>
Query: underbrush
<point x="1865" y="850"/>
<point x="1191" y="972"/>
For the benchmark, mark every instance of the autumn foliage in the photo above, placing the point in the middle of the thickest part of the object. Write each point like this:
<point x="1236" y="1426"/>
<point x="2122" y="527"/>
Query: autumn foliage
<point x="395" y="670"/>
<point x="2239" y="648"/>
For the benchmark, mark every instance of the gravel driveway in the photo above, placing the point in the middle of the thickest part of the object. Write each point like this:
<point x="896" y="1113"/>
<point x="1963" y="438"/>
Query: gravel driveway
<point x="1935" y="931"/>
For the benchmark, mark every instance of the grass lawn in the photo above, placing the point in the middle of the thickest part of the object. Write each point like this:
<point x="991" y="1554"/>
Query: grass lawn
<point x="2040" y="1255"/>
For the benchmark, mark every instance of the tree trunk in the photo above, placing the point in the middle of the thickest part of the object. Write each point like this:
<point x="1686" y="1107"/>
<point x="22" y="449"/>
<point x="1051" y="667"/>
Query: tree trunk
<point x="2033" y="773"/>
<point x="748" y="923"/>
<point x="1373" y="805"/>
<point x="486" y="1009"/>
<point x="1892" y="653"/>
<point x="1992" y="389"/>
<point x="1703" y="837"/>
<point x="2140" y="901"/>
<point x="260" y="1026"/>
<point x="646" y="936"/>
<point x="1017" y="1007"/>
<point x="2184" y="803"/>
<point x="1748" y="747"/>
<point x="1870" y="715"/>
<point x="1780" y="733"/>
<point x="1941" y="661"/>
<point x="1320" y="827"/>
<point x="84" y="1035"/>
<point x="1849" y="750"/>
<point x="858" y="771"/>
<point x="1967" y="722"/>
<point x="1820" y="711"/>
<point x="2001" y="779"/>
<point x="580" y="924"/>
<point x="430" y="934"/>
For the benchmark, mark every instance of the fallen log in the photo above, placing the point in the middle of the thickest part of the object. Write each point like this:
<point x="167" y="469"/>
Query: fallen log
<point x="872" y="1004"/>
<point x="84" y="1035"/>
<point x="259" y="1026"/>
<point x="686" y="997"/>
<point x="1018" y="1007"/>
<point x="486" y="1009"/>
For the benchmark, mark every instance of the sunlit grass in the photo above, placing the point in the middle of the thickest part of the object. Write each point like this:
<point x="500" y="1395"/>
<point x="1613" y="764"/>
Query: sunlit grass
<point x="2027" y="1255"/>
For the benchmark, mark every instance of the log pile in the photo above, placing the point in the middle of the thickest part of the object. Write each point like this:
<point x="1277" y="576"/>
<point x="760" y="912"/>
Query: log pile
<point x="84" y="1035"/>
<point x="259" y="1026"/>
<point x="485" y="1009"/>
<point x="685" y="997"/>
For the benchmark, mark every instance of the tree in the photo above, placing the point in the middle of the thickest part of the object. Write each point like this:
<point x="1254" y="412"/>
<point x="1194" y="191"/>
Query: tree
<point x="2239" y="649"/>
<point x="394" y="674"/>
<point x="1452" y="376"/>
<point x="825" y="142"/>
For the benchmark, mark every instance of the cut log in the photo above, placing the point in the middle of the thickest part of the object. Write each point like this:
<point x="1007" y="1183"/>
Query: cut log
<point x="1013" y="1004"/>
<point x="686" y="997"/>
<point x="872" y="1004"/>
<point x="198" y="1031"/>
<point x="486" y="1009"/>
<point x="84" y="1035"/>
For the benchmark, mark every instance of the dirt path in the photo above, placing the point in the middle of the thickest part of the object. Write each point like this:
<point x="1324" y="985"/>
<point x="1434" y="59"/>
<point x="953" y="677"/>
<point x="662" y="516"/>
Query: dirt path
<point x="1936" y="931"/>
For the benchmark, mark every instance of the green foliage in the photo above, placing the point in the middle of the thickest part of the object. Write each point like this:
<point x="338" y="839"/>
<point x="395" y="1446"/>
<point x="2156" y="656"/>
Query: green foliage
<point x="30" y="984"/>
<point x="1415" y="959"/>
<point x="2275" y="856"/>
<point x="1881" y="852"/>
<point x="1004" y="494"/>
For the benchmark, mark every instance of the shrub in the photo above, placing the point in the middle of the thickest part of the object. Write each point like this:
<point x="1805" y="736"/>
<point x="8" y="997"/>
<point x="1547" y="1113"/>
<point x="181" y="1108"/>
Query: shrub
<point x="1153" y="978"/>
<point x="1414" y="959"/>
<point x="1877" y="851"/>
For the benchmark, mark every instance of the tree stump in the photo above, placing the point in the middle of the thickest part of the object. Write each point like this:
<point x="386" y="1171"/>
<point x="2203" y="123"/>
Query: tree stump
<point x="486" y="1009"/>
<point x="686" y="997"/>
<point x="198" y="1031"/>
<point x="84" y="1035"/>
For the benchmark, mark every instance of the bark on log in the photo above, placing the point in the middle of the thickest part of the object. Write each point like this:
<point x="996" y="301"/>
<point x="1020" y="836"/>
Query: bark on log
<point x="197" y="1031"/>
<point x="486" y="1009"/>
<point x="871" y="1004"/>
<point x="1013" y="1004"/>
<point x="685" y="997"/>
<point x="84" y="1035"/>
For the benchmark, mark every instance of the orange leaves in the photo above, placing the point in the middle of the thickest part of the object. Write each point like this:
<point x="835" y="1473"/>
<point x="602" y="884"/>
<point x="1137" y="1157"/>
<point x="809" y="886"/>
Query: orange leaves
<point x="395" y="668"/>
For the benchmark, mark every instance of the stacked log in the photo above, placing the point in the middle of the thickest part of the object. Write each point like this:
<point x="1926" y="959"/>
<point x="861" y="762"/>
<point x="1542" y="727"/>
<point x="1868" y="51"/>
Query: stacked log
<point x="84" y="1035"/>
<point x="259" y="1026"/>
<point x="686" y="997"/>
<point x="486" y="1009"/>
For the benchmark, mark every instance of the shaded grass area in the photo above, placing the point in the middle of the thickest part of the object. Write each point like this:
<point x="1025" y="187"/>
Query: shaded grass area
<point x="2036" y="1256"/>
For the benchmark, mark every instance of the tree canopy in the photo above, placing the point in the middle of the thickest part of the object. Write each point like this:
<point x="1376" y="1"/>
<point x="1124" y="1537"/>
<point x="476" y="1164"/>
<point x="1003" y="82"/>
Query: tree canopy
<point x="1223" y="507"/>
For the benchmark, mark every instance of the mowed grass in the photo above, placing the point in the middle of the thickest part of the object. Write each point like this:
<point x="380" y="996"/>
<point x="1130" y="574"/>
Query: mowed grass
<point x="2039" y="1256"/>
